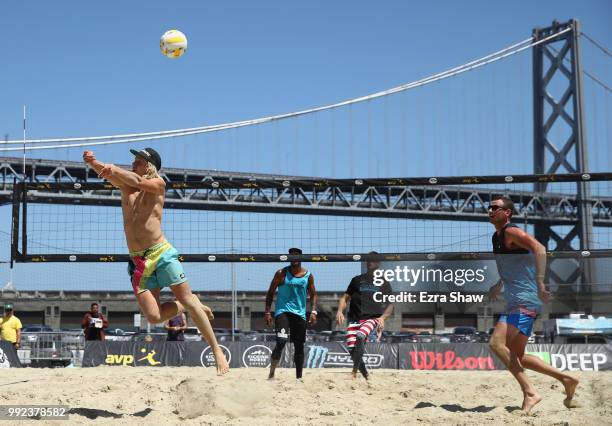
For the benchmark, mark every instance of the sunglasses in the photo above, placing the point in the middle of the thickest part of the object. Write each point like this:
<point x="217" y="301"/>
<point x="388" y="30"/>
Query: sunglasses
<point x="494" y="208"/>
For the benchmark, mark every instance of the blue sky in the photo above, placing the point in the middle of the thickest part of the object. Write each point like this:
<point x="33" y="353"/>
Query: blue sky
<point x="87" y="69"/>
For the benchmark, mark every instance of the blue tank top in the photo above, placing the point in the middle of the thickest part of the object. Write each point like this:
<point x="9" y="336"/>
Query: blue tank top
<point x="291" y="296"/>
<point x="517" y="269"/>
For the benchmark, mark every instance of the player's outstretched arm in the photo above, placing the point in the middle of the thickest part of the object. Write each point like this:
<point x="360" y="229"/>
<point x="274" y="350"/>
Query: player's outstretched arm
<point x="270" y="295"/>
<point x="312" y="292"/>
<point x="133" y="180"/>
<point x="344" y="299"/>
<point x="101" y="169"/>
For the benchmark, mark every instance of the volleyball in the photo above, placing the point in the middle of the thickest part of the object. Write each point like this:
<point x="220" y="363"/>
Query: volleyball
<point x="173" y="44"/>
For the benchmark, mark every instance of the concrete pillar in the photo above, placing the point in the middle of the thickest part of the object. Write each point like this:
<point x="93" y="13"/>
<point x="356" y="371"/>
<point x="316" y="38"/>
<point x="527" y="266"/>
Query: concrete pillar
<point x="244" y="318"/>
<point x="53" y="316"/>
<point x="394" y="322"/>
<point x="484" y="322"/>
<point x="439" y="323"/>
<point x="542" y="317"/>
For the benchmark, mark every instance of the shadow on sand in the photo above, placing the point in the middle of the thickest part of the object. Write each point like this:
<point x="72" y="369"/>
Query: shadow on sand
<point x="456" y="408"/>
<point x="93" y="413"/>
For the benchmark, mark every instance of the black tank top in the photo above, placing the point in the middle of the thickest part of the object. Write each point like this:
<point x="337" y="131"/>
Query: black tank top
<point x="498" y="242"/>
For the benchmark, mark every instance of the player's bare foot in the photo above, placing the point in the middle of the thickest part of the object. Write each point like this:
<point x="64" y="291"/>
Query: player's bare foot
<point x="208" y="312"/>
<point x="206" y="309"/>
<point x="222" y="365"/>
<point x="530" y="401"/>
<point x="570" y="384"/>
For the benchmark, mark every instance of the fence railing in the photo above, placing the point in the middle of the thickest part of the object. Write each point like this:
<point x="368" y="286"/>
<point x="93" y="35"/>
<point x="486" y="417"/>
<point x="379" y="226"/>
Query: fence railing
<point x="51" y="349"/>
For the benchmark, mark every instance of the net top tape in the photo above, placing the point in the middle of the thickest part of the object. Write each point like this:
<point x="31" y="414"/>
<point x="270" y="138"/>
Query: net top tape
<point x="212" y="182"/>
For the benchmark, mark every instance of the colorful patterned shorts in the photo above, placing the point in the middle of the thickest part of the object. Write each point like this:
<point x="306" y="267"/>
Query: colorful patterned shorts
<point x="156" y="267"/>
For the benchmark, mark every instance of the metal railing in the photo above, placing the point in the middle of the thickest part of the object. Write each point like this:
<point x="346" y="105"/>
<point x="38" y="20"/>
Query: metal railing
<point x="51" y="349"/>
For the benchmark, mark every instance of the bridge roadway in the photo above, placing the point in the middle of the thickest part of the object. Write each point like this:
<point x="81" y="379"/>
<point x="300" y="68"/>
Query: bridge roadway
<point x="67" y="182"/>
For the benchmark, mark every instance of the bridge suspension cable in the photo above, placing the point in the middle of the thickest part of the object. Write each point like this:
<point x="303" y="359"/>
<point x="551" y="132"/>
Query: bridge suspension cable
<point x="138" y="137"/>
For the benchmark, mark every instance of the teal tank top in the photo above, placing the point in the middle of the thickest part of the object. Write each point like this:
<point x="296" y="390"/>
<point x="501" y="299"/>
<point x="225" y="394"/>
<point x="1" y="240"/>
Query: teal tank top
<point x="291" y="294"/>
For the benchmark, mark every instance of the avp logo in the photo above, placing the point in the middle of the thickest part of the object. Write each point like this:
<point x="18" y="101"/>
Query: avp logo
<point x="113" y="359"/>
<point x="117" y="359"/>
<point x="319" y="357"/>
<point x="150" y="357"/>
<point x="257" y="356"/>
<point x="4" y="362"/>
<point x="207" y="358"/>
<point x="573" y="362"/>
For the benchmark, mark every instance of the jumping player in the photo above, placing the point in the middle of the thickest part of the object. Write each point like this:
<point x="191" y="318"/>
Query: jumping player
<point x="154" y="263"/>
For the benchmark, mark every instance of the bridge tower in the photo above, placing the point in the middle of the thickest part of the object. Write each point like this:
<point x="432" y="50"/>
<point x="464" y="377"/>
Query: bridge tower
<point x="557" y="64"/>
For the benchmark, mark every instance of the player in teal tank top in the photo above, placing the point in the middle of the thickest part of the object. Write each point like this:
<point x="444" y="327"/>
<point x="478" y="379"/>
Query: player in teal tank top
<point x="521" y="263"/>
<point x="291" y="283"/>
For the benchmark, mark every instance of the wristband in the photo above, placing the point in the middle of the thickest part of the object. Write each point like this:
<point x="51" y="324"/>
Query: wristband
<point x="313" y="312"/>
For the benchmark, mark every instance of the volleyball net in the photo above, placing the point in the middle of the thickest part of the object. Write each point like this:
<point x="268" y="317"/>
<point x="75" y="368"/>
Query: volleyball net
<point x="238" y="230"/>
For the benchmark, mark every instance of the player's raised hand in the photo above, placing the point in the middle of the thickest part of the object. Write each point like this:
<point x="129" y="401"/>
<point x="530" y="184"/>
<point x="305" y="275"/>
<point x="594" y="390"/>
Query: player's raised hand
<point x="88" y="156"/>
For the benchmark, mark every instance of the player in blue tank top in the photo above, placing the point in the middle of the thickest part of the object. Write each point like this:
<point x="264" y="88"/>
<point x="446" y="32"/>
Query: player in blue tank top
<point x="521" y="263"/>
<point x="291" y="284"/>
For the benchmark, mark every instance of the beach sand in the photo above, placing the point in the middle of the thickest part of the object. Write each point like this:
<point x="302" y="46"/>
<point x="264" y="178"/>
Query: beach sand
<point x="189" y="395"/>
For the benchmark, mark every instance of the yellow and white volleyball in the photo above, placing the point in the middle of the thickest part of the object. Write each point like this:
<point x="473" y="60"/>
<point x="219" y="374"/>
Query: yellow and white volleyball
<point x="173" y="44"/>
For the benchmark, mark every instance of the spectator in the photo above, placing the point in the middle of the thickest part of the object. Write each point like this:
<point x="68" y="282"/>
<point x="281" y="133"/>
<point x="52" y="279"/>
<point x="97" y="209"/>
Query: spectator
<point x="10" y="326"/>
<point x="176" y="327"/>
<point x="94" y="323"/>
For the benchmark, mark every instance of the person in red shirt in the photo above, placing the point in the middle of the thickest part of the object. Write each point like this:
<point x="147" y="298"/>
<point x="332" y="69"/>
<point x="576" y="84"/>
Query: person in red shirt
<point x="94" y="323"/>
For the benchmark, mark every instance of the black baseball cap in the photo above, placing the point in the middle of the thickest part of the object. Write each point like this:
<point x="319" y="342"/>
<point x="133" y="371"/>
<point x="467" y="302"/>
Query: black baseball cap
<point x="295" y="250"/>
<point x="150" y="155"/>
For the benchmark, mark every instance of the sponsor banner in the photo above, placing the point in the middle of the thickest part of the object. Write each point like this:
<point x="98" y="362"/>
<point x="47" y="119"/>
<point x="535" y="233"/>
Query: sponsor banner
<point x="574" y="357"/>
<point x="336" y="354"/>
<point x="199" y="354"/>
<point x="477" y="356"/>
<point x="447" y="356"/>
<point x="8" y="355"/>
<point x="411" y="356"/>
<point x="135" y="354"/>
<point x="257" y="354"/>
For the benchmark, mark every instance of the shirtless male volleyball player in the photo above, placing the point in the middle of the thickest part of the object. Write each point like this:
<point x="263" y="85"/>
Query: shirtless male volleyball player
<point x="154" y="262"/>
<point x="521" y="263"/>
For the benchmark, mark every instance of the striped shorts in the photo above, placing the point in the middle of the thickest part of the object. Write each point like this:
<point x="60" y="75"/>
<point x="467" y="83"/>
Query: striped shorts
<point x="363" y="327"/>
